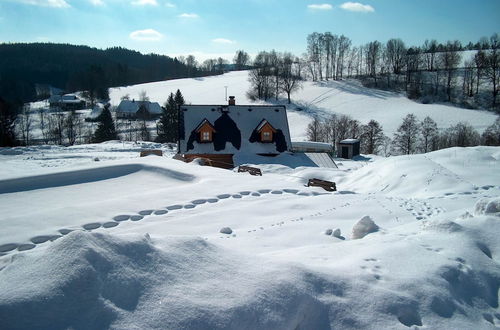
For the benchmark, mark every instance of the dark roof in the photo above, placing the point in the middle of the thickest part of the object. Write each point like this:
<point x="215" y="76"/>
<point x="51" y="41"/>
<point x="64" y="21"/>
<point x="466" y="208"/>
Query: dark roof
<point x="234" y="127"/>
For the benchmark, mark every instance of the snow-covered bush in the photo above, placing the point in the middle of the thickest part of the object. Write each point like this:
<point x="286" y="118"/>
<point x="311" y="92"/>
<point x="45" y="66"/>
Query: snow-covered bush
<point x="488" y="206"/>
<point x="364" y="227"/>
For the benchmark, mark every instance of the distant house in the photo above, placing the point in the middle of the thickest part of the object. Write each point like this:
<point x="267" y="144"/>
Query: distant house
<point x="128" y="109"/>
<point x="348" y="148"/>
<point x="217" y="132"/>
<point x="66" y="102"/>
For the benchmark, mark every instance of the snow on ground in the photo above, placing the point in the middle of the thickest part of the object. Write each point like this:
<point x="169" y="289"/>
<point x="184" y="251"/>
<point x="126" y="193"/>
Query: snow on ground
<point x="128" y="242"/>
<point x="315" y="98"/>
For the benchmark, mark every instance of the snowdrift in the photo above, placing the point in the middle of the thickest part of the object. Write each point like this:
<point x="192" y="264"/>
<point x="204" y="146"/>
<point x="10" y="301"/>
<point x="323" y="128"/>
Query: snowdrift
<point x="447" y="171"/>
<point x="96" y="281"/>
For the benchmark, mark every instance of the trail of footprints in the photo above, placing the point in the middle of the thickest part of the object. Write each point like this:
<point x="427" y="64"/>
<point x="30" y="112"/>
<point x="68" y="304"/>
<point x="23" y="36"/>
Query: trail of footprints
<point x="34" y="241"/>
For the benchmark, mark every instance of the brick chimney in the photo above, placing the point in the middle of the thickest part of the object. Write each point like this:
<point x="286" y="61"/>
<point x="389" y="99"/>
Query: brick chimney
<point x="232" y="101"/>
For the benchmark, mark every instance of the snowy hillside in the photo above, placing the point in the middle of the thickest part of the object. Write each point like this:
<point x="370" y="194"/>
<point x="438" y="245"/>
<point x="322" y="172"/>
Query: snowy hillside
<point x="95" y="237"/>
<point x="321" y="98"/>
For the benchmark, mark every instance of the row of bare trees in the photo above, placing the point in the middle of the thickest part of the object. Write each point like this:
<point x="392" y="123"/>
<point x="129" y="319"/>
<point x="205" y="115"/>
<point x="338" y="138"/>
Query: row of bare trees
<point x="274" y="74"/>
<point x="56" y="128"/>
<point x="432" y="69"/>
<point x="412" y="136"/>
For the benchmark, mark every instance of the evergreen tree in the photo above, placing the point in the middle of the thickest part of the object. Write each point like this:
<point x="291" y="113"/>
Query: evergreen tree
<point x="179" y="99"/>
<point x="7" y="120"/>
<point x="167" y="126"/>
<point x="106" y="128"/>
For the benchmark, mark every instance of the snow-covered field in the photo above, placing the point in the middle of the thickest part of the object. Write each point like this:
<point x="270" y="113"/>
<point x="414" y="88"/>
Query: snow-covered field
<point x="315" y="98"/>
<point x="135" y="243"/>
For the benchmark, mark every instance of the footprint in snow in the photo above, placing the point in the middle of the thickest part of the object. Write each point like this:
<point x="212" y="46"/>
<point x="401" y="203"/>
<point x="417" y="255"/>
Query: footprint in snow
<point x="44" y="238"/>
<point x="146" y="212"/>
<point x="264" y="191"/>
<point x="122" y="217"/>
<point x="236" y="196"/>
<point x="8" y="247"/>
<point x="110" y="224"/>
<point x="189" y="206"/>
<point x="91" y="226"/>
<point x="199" y="201"/>
<point x="223" y="196"/>
<point x="25" y="247"/>
<point x="159" y="212"/>
<point x="174" y="207"/>
<point x="65" y="231"/>
<point x="245" y="193"/>
<point x="136" y="217"/>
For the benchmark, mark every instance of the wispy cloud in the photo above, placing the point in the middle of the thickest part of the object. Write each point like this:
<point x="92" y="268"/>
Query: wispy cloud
<point x="187" y="15"/>
<point x="170" y="5"/>
<point x="47" y="3"/>
<point x="223" y="41"/>
<point x="146" y="35"/>
<point x="144" y="3"/>
<point x="97" y="2"/>
<point x="357" y="7"/>
<point x="323" y="6"/>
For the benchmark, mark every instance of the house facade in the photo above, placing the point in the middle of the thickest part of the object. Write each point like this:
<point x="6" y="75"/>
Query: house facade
<point x="216" y="132"/>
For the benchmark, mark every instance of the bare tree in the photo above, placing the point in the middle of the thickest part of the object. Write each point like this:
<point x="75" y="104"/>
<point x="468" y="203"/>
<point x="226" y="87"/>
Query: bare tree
<point x="72" y="127"/>
<point x="493" y="66"/>
<point x="396" y="51"/>
<point x="405" y="138"/>
<point x="450" y="59"/>
<point x="429" y="134"/>
<point x="314" y="130"/>
<point x="289" y="77"/>
<point x="372" y="137"/>
<point x="241" y="59"/>
<point x="25" y="124"/>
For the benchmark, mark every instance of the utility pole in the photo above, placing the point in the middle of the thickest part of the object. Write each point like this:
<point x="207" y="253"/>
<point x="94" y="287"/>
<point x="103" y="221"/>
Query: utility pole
<point x="226" y="91"/>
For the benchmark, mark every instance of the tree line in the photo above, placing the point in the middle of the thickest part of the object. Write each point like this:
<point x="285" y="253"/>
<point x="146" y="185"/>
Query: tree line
<point x="431" y="72"/>
<point x="412" y="136"/>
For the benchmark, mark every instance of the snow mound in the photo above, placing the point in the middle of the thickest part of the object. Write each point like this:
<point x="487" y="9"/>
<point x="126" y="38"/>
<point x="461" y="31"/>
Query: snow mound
<point x="440" y="173"/>
<point x="98" y="281"/>
<point x="364" y="227"/>
<point x="86" y="176"/>
<point x="488" y="206"/>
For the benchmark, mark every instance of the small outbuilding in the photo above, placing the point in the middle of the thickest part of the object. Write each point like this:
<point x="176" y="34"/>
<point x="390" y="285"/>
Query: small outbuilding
<point x="348" y="148"/>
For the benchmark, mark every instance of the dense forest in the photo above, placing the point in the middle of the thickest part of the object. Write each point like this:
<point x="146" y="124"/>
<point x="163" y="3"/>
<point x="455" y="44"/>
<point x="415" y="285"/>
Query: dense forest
<point x="74" y="68"/>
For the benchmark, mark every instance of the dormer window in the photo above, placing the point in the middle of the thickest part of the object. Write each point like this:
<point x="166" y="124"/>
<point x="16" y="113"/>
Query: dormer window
<point x="265" y="132"/>
<point x="266" y="136"/>
<point x="206" y="136"/>
<point x="205" y="132"/>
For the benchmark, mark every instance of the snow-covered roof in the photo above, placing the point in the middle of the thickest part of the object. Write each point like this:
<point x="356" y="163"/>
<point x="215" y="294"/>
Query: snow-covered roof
<point x="309" y="145"/>
<point x="349" y="141"/>
<point x="235" y="127"/>
<point x="64" y="99"/>
<point x="127" y="106"/>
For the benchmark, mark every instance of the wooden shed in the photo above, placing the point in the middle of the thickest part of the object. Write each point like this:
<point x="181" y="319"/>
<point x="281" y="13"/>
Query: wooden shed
<point x="348" y="148"/>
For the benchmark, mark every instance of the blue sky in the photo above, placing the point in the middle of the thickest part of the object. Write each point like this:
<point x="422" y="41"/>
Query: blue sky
<point x="209" y="28"/>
